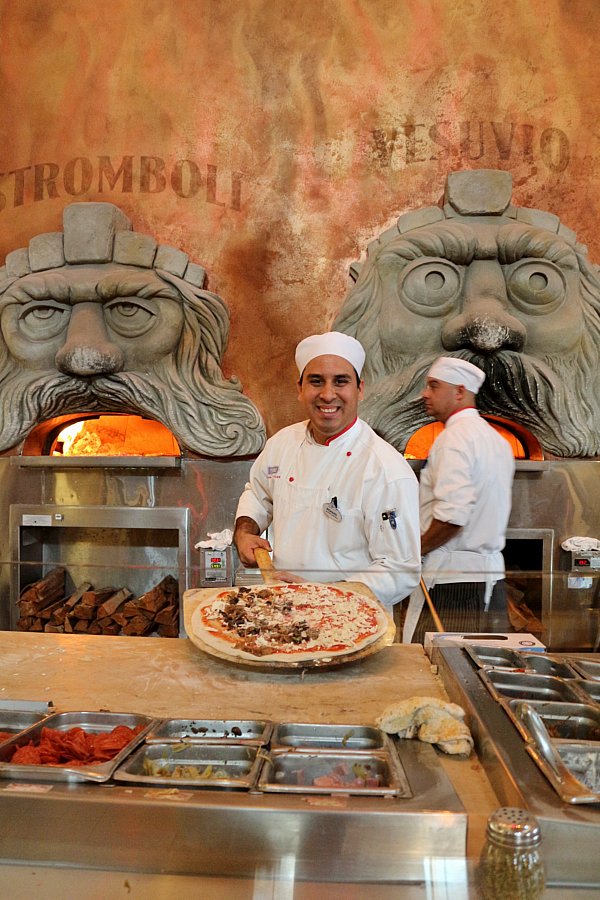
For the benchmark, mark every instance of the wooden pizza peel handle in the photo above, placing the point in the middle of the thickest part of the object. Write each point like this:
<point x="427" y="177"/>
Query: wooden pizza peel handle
<point x="265" y="564"/>
<point x="434" y="613"/>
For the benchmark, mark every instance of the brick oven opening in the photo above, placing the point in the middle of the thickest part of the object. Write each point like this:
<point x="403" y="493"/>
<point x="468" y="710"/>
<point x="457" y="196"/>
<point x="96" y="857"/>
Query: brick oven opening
<point x="103" y="435"/>
<point x="523" y="444"/>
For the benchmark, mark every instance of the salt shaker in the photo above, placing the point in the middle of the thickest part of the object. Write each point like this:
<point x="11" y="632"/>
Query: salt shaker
<point x="511" y="867"/>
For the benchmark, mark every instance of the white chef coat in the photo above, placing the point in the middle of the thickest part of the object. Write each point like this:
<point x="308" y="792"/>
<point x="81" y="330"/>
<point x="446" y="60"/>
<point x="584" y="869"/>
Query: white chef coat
<point x="295" y="480"/>
<point x="466" y="481"/>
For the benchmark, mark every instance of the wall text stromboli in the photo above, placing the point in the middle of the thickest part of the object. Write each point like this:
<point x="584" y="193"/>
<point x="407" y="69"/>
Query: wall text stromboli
<point x="143" y="174"/>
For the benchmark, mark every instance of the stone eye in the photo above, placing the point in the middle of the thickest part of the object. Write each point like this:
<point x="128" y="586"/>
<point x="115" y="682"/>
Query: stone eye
<point x="42" y="320"/>
<point x="429" y="286"/>
<point x="129" y="318"/>
<point x="536" y="286"/>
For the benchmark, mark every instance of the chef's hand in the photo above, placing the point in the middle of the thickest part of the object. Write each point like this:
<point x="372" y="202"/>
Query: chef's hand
<point x="246" y="540"/>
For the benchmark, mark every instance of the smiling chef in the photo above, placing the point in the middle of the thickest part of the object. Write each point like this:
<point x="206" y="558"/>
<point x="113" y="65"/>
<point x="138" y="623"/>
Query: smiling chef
<point x="341" y="503"/>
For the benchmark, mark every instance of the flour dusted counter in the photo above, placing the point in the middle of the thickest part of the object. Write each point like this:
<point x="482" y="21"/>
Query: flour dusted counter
<point x="209" y="832"/>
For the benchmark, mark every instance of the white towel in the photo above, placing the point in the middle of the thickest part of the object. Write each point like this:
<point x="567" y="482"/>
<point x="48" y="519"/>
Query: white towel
<point x="580" y="544"/>
<point x="219" y="540"/>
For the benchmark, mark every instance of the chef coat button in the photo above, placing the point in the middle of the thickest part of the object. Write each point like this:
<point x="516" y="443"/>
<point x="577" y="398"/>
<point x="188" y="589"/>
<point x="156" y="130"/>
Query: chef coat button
<point x="348" y="452"/>
<point x="291" y="478"/>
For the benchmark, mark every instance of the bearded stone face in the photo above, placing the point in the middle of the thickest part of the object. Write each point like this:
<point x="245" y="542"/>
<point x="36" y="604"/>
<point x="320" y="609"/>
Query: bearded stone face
<point x="114" y="337"/>
<point x="90" y="320"/>
<point x="506" y="288"/>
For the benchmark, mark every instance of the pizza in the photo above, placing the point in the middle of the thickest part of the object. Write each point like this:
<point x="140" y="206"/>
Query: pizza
<point x="289" y="622"/>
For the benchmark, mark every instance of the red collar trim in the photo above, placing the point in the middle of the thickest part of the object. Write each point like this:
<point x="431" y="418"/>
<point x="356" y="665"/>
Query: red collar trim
<point x="336" y="436"/>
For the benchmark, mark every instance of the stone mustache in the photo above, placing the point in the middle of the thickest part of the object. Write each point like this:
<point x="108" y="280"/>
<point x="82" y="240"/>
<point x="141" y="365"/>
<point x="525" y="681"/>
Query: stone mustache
<point x="506" y="287"/>
<point x="100" y="318"/>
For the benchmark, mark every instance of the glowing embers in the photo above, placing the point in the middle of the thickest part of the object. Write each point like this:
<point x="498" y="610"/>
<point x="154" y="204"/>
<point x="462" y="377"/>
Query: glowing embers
<point x="115" y="436"/>
<point x="523" y="444"/>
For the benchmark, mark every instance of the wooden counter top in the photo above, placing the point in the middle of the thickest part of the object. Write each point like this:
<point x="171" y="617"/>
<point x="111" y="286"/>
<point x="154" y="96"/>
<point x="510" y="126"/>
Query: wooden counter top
<point x="171" y="677"/>
<point x="165" y="677"/>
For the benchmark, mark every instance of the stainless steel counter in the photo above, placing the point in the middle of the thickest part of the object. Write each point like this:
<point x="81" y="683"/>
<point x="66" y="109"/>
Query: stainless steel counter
<point x="210" y="833"/>
<point x="454" y="882"/>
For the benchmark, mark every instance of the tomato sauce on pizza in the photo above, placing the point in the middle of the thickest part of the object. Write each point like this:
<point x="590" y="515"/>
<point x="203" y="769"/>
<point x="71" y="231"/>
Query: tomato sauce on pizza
<point x="289" y="622"/>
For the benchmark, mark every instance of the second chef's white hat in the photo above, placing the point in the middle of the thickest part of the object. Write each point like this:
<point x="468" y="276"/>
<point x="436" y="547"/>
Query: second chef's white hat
<point x="457" y="371"/>
<point x="332" y="343"/>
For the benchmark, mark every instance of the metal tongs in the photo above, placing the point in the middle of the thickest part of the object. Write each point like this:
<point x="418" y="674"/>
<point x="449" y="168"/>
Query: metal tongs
<point x="570" y="788"/>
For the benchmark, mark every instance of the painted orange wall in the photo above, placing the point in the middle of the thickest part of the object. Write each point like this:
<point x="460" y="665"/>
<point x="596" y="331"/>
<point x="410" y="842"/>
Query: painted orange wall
<point x="272" y="140"/>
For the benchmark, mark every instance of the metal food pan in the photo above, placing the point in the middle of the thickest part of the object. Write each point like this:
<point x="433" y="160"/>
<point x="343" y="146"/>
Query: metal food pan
<point x="214" y="731"/>
<point x="234" y="766"/>
<point x="583" y="762"/>
<point x="577" y="777"/>
<point x="563" y="721"/>
<point x="543" y="664"/>
<point x="524" y="686"/>
<point x="14" y="721"/>
<point x="323" y="738"/>
<point x="296" y="771"/>
<point x="590" y="689"/>
<point x="588" y="669"/>
<point x="495" y="656"/>
<point x="546" y="753"/>
<point x="92" y="722"/>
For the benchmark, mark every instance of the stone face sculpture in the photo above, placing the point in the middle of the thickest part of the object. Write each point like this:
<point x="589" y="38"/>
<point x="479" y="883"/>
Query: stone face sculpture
<point x="508" y="288"/>
<point x="100" y="318"/>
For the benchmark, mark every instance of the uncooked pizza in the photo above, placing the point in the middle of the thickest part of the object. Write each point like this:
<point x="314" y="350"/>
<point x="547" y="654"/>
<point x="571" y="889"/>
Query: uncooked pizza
<point x="289" y="622"/>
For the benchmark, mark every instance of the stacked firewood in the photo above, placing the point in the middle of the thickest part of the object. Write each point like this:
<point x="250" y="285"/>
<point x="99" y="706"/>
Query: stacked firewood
<point x="43" y="606"/>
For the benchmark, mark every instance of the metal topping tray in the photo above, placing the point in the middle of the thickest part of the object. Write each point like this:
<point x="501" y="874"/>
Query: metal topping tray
<point x="583" y="762"/>
<point x="214" y="731"/>
<point x="590" y="689"/>
<point x="525" y="686"/>
<point x="494" y="656"/>
<point x="521" y="661"/>
<point x="92" y="722"/>
<point x="376" y="774"/>
<point x="572" y="768"/>
<point x="556" y="713"/>
<point x="563" y="721"/>
<point x="14" y="721"/>
<point x="588" y="669"/>
<point x="544" y="664"/>
<point x="325" y="738"/>
<point x="193" y="765"/>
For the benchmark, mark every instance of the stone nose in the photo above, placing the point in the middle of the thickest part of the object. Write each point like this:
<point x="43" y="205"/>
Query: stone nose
<point x="484" y="322"/>
<point x="87" y="349"/>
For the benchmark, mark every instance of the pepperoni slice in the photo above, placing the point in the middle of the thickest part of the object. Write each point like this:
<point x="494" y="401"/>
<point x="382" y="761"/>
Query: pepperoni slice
<point x="74" y="747"/>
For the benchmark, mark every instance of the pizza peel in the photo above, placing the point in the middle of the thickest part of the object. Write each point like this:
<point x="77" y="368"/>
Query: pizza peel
<point x="265" y="564"/>
<point x="194" y="599"/>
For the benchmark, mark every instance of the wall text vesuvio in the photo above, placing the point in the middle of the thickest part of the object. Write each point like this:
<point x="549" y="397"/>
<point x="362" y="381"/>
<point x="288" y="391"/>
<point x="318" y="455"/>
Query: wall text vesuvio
<point x="411" y="142"/>
<point x="130" y="174"/>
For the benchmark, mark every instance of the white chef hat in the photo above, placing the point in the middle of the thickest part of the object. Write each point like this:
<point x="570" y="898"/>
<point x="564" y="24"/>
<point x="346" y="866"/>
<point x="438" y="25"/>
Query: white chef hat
<point x="457" y="371"/>
<point x="332" y="343"/>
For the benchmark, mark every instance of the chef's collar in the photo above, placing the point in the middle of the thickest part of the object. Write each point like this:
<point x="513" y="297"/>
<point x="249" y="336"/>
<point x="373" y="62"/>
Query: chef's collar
<point x="456" y="415"/>
<point x="334" y="437"/>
